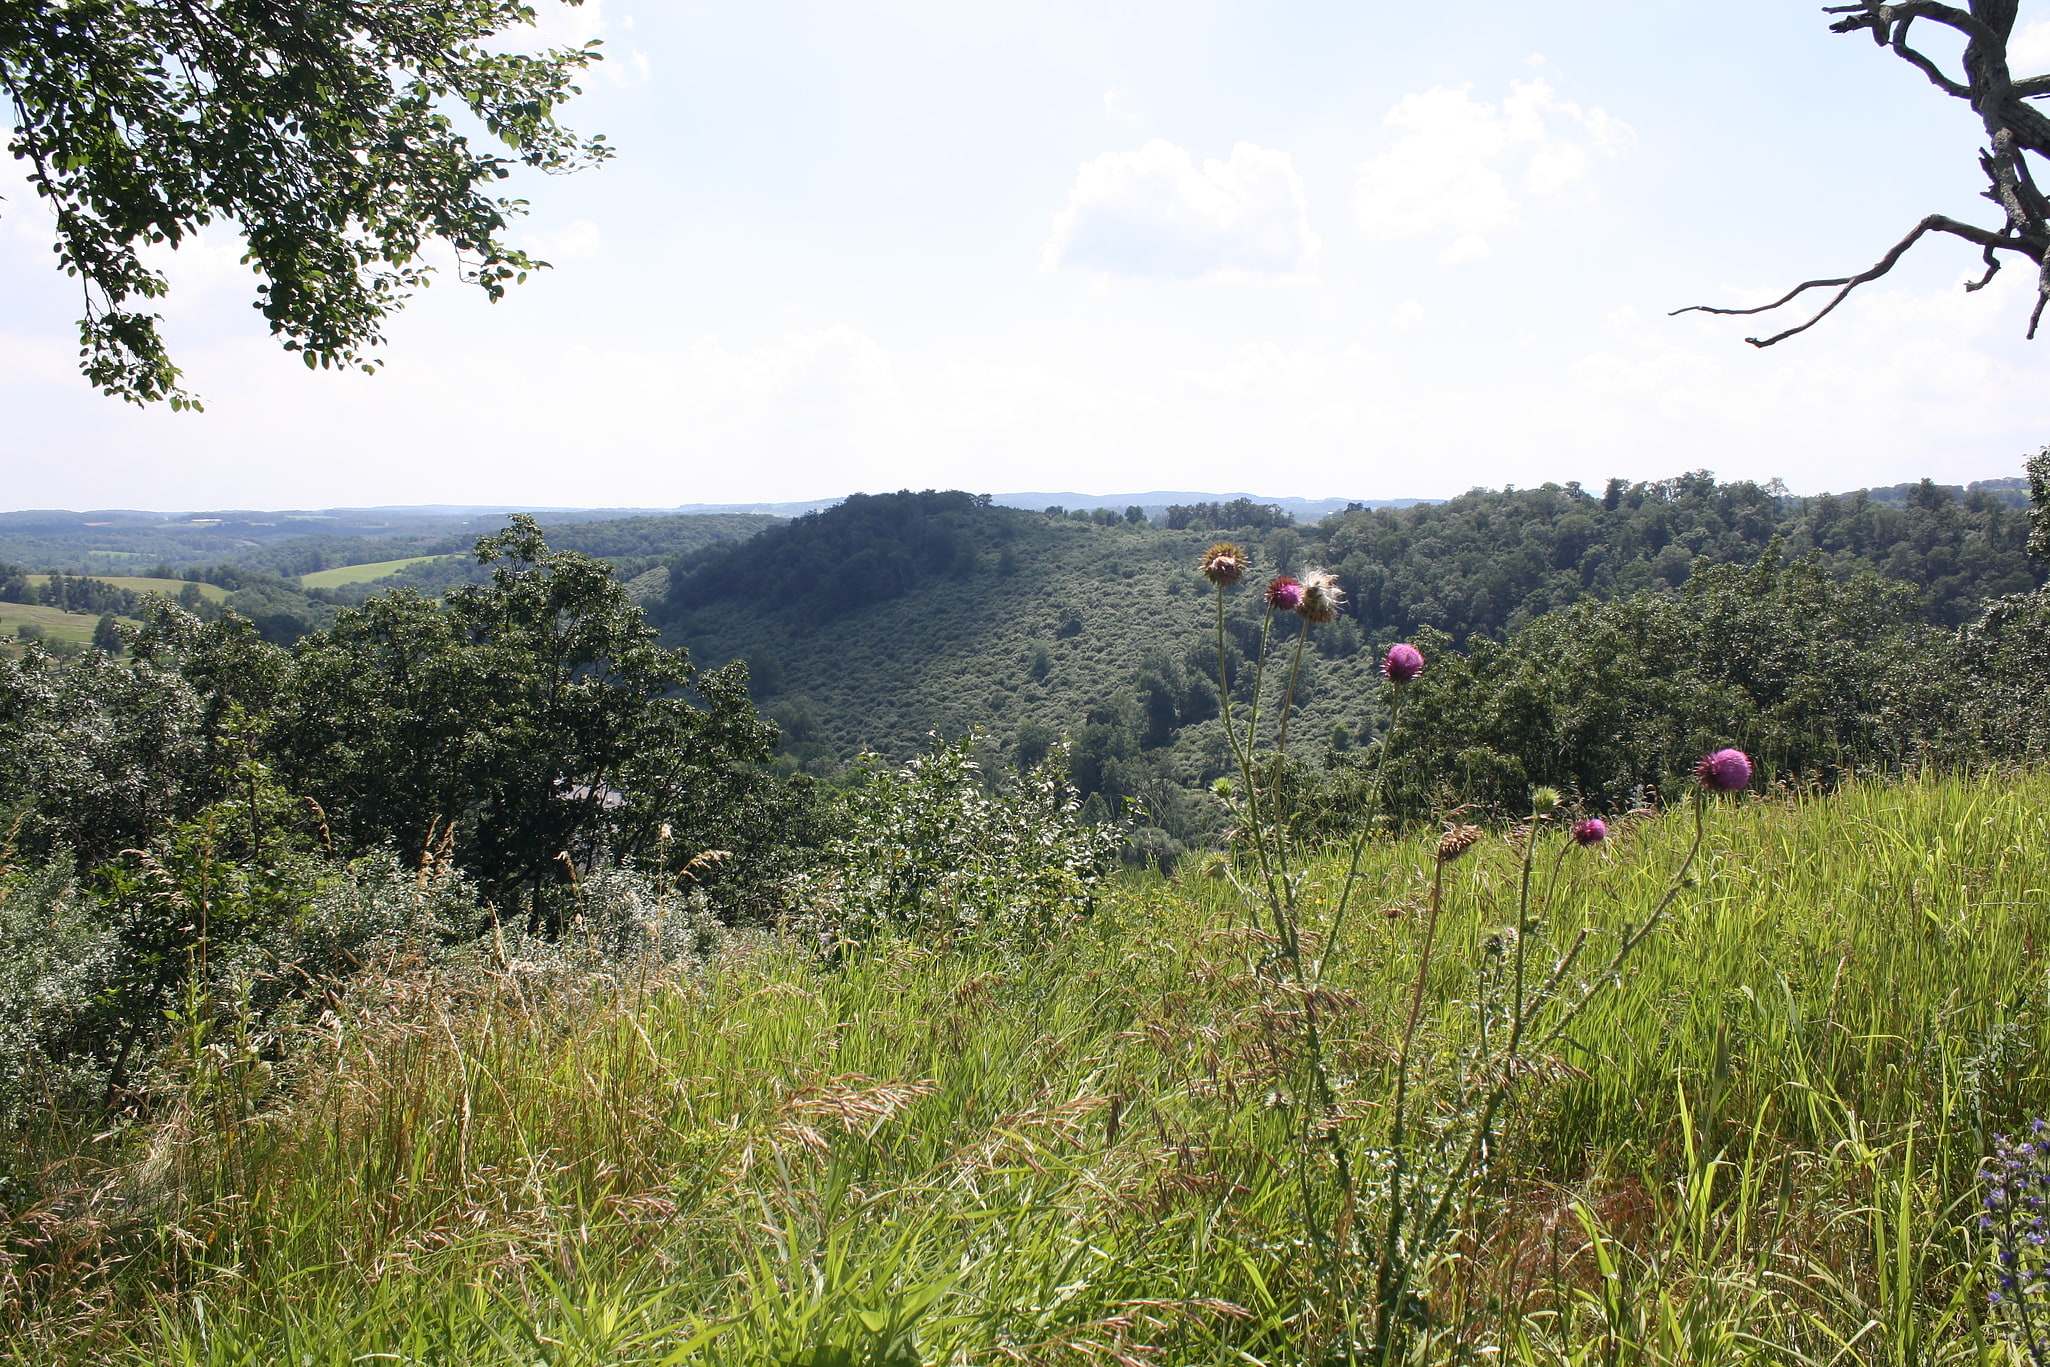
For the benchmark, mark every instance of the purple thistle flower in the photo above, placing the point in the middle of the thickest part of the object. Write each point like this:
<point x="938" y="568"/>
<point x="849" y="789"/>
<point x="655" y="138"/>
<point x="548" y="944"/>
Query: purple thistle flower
<point x="1725" y="770"/>
<point x="1404" y="663"/>
<point x="1592" y="831"/>
<point x="1284" y="595"/>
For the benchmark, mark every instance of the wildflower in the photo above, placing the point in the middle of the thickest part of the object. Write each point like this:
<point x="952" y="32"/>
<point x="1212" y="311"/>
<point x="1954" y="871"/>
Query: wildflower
<point x="1456" y="842"/>
<point x="1544" y="801"/>
<point x="1592" y="831"/>
<point x="1224" y="563"/>
<point x="1725" y="771"/>
<point x="1404" y="663"/>
<point x="1284" y="594"/>
<point x="1321" y="597"/>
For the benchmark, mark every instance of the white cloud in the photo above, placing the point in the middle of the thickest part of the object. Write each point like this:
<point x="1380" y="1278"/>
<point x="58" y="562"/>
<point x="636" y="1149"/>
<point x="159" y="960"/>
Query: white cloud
<point x="1406" y="314"/>
<point x="2028" y="51"/>
<point x="578" y="240"/>
<point x="1466" y="247"/>
<point x="1461" y="168"/>
<point x="1116" y="104"/>
<point x="1155" y="212"/>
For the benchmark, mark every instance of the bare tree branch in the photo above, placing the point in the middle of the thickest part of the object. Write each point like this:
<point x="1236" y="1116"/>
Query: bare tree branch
<point x="1936" y="223"/>
<point x="1881" y="17"/>
<point x="1928" y="68"/>
<point x="2013" y="130"/>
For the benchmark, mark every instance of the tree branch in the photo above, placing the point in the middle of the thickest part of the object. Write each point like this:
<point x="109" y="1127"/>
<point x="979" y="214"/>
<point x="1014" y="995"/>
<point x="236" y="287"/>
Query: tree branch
<point x="1938" y="223"/>
<point x="1927" y="67"/>
<point x="1881" y="18"/>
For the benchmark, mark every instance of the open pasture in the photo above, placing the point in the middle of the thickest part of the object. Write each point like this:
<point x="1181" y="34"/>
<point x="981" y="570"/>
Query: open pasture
<point x="138" y="583"/>
<point x="1758" y="1146"/>
<point x="362" y="574"/>
<point x="57" y="624"/>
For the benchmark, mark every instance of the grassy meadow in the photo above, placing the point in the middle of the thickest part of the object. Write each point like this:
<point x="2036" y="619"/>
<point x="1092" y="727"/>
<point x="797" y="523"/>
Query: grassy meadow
<point x="364" y="574"/>
<point x="1757" y="1145"/>
<point x="140" y="583"/>
<point x="56" y="623"/>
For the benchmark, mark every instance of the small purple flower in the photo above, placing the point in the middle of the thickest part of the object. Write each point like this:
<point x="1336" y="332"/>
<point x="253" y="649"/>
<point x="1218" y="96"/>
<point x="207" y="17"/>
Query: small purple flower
<point x="1725" y="770"/>
<point x="1404" y="663"/>
<point x="1284" y="595"/>
<point x="1592" y="831"/>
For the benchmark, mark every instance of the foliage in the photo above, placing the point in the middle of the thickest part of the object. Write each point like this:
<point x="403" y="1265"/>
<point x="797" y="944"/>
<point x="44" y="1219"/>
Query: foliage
<point x="1087" y="634"/>
<point x="535" y="723"/>
<point x="56" y="960"/>
<point x="1614" y="701"/>
<point x="2039" y="504"/>
<point x="65" y="592"/>
<point x="531" y="728"/>
<point x="1240" y="514"/>
<point x="100" y="756"/>
<point x="324" y="135"/>
<point x="1759" y="1145"/>
<point x="933" y="853"/>
<point x="1488" y="562"/>
<point x="864" y="550"/>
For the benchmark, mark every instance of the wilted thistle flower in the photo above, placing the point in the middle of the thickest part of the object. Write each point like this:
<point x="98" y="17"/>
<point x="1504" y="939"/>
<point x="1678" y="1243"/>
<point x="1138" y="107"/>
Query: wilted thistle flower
<point x="1725" y="770"/>
<point x="1456" y="842"/>
<point x="1224" y="563"/>
<point x="1404" y="663"/>
<point x="1592" y="831"/>
<point x="1284" y="595"/>
<point x="1321" y="598"/>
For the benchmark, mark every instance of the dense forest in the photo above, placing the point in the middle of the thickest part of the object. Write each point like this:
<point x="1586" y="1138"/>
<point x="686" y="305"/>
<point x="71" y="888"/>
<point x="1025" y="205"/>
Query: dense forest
<point x="873" y="624"/>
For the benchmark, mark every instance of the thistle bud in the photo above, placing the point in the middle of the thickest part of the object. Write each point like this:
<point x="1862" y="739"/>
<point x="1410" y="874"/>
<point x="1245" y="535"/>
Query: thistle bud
<point x="1456" y="842"/>
<point x="1224" y="563"/>
<point x="1544" y="801"/>
<point x="1404" y="663"/>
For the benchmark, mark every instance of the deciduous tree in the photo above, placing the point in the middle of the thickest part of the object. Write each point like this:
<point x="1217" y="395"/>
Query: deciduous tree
<point x="337" y="136"/>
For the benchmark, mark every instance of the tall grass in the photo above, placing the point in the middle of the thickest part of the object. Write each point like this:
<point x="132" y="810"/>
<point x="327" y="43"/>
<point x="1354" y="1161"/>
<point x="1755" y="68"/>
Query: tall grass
<point x="1759" y="1146"/>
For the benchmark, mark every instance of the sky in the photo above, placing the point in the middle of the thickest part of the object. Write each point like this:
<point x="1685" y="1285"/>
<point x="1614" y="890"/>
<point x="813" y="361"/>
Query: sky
<point x="1362" y="249"/>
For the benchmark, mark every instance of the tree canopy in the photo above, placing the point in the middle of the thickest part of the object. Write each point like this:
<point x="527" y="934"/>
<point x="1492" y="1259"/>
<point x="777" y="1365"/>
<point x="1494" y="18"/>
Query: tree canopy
<point x="335" y="135"/>
<point x="2014" y="128"/>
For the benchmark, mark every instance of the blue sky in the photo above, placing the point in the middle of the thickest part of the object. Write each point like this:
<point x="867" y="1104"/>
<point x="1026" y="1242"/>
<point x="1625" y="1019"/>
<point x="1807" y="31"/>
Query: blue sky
<point x="1364" y="250"/>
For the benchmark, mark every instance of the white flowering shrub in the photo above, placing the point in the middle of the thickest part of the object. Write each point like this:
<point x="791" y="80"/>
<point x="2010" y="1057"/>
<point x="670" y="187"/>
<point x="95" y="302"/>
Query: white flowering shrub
<point x="56" y="961"/>
<point x="933" y="851"/>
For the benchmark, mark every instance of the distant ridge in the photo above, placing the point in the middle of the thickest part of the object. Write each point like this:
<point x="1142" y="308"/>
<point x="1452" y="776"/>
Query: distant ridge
<point x="1155" y="502"/>
<point x="1158" y="501"/>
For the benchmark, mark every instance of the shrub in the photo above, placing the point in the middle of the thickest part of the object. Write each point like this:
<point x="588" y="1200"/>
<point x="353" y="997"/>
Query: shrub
<point x="934" y="852"/>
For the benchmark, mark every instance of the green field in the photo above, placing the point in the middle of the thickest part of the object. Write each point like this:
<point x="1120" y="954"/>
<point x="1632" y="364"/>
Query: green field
<point x="170" y="588"/>
<point x="1758" y="1146"/>
<point x="362" y="574"/>
<point x="57" y="624"/>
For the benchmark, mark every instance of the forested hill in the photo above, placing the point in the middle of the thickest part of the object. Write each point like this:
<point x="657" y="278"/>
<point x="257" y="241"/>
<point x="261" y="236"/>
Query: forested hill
<point x="1489" y="560"/>
<point x="871" y="624"/>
